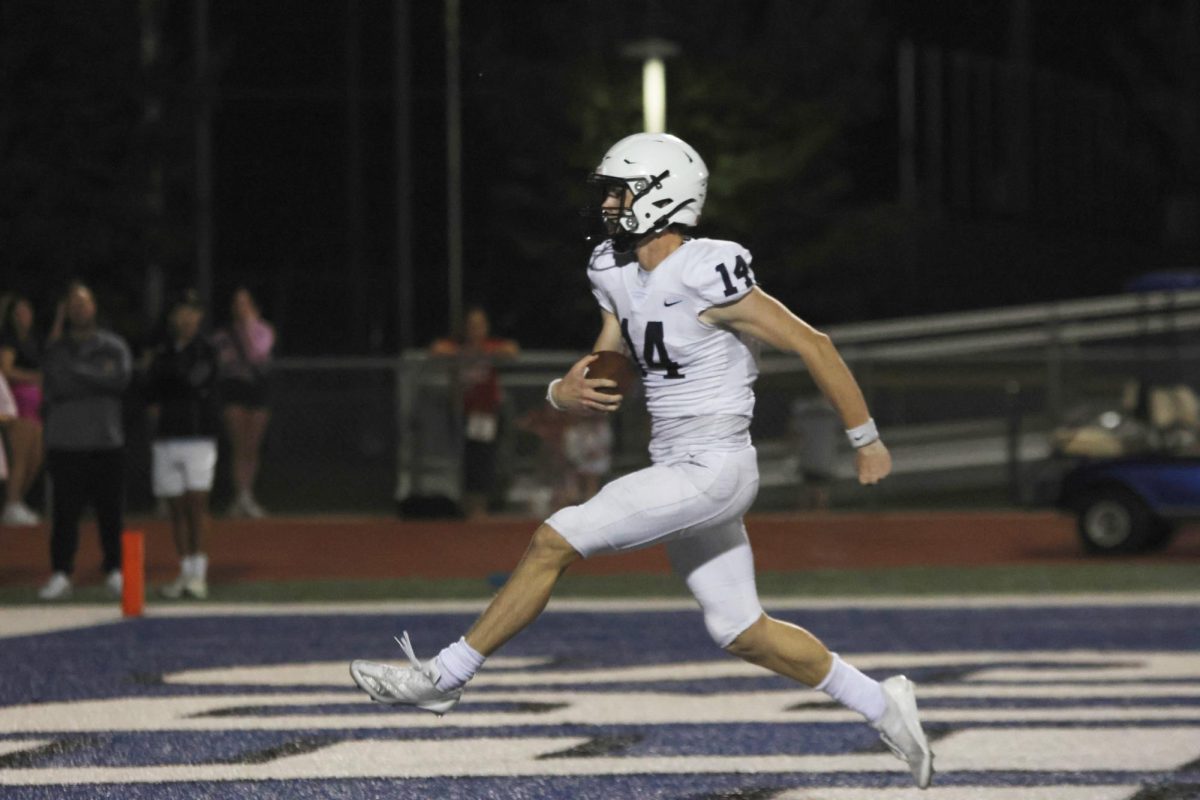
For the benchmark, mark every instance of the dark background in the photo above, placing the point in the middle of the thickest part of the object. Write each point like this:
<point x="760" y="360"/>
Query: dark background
<point x="1055" y="154"/>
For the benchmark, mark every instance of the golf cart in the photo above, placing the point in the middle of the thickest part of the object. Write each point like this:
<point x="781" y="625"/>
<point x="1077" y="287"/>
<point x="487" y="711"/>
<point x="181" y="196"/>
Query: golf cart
<point x="1132" y="474"/>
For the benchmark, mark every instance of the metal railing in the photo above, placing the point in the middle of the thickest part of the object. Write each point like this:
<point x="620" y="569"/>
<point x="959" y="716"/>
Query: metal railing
<point x="964" y="399"/>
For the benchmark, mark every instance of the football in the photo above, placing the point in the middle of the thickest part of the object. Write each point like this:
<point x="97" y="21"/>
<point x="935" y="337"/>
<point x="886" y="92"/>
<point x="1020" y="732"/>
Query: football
<point x="617" y="367"/>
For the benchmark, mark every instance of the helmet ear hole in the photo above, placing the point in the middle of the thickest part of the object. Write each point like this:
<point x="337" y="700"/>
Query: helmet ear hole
<point x="666" y="178"/>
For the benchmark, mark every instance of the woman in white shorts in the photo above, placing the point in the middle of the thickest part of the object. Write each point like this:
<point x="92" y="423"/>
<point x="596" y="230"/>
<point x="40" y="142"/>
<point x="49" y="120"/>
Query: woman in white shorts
<point x="185" y="420"/>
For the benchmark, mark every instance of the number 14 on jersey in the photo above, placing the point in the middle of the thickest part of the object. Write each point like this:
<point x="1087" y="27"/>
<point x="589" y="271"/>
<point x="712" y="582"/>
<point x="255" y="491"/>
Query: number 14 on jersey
<point x="654" y="354"/>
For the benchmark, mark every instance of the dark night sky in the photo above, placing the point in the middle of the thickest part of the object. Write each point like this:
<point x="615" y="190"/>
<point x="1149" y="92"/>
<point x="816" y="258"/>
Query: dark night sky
<point x="534" y="78"/>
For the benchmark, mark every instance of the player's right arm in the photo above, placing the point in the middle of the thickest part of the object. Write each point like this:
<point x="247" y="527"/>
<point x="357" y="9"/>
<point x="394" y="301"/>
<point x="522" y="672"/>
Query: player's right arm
<point x="758" y="314"/>
<point x="578" y="393"/>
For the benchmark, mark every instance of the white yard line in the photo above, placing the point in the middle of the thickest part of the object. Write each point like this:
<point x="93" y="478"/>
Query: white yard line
<point x="1172" y="674"/>
<point x="1041" y="751"/>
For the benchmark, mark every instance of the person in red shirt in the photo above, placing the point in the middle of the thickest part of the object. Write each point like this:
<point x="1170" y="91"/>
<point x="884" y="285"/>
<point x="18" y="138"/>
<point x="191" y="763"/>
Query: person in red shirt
<point x="476" y="352"/>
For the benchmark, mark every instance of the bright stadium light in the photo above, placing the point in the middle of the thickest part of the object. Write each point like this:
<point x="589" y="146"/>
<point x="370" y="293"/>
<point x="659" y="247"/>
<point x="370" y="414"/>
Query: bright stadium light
<point x="653" y="54"/>
<point x="654" y="95"/>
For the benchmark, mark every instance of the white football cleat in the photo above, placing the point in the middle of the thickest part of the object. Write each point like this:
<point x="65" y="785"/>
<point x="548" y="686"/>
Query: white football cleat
<point x="900" y="729"/>
<point x="415" y="685"/>
<point x="57" y="588"/>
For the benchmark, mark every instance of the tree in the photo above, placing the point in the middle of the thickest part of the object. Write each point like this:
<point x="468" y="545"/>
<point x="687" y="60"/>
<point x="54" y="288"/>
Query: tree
<point x="72" y="168"/>
<point x="1158" y="57"/>
<point x="773" y="98"/>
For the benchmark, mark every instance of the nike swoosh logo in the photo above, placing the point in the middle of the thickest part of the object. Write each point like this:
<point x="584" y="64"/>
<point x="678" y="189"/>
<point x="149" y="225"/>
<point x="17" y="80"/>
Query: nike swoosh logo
<point x="668" y="305"/>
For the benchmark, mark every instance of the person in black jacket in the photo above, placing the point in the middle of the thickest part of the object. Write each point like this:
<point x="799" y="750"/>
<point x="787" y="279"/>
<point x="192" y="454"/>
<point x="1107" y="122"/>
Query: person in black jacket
<point x="184" y="421"/>
<point x="85" y="371"/>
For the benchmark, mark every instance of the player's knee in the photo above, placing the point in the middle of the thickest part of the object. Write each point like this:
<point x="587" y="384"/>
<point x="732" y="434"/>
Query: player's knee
<point x="738" y="635"/>
<point x="750" y="642"/>
<point x="548" y="544"/>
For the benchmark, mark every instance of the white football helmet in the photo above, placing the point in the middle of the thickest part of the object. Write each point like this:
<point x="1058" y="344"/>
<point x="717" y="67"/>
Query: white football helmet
<point x="666" y="179"/>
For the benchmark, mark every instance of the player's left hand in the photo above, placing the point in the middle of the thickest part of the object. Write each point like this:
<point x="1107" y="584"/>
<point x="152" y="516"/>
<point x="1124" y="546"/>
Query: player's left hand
<point x="873" y="463"/>
<point x="582" y="395"/>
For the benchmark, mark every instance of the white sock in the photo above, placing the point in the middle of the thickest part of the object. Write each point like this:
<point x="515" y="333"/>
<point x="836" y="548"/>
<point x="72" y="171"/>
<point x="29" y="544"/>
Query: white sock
<point x="185" y="567"/>
<point x="199" y="565"/>
<point x="457" y="664"/>
<point x="854" y="690"/>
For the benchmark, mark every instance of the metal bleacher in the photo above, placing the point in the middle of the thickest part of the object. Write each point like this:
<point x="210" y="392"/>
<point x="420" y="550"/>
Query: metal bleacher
<point x="964" y="400"/>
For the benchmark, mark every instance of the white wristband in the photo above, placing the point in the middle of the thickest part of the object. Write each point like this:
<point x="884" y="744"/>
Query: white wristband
<point x="550" y="395"/>
<point x="863" y="435"/>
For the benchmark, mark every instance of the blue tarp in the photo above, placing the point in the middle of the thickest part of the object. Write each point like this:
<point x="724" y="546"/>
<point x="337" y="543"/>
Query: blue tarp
<point x="1165" y="281"/>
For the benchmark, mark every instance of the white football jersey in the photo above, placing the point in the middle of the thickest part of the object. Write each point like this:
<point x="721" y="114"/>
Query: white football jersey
<point x="689" y="368"/>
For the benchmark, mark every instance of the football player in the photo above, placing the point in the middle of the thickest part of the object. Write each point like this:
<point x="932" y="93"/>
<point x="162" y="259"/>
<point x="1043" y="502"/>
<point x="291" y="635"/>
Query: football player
<point x="687" y="311"/>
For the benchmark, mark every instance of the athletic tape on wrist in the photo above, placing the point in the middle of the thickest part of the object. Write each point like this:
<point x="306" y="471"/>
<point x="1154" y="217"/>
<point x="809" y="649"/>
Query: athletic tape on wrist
<point x="550" y="395"/>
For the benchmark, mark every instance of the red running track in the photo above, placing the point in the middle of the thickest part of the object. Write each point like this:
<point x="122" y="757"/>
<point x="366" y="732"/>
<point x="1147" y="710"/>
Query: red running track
<point x="299" y="548"/>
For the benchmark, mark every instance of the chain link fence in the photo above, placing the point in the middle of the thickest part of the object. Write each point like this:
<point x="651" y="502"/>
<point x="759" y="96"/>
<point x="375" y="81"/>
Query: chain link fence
<point x="973" y="418"/>
<point x="964" y="430"/>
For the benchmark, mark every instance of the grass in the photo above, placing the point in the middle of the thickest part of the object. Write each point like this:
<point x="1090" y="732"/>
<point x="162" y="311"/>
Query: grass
<point x="1088" y="576"/>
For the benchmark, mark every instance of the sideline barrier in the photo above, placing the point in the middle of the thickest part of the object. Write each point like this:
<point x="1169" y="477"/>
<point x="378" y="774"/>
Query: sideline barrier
<point x="133" y="570"/>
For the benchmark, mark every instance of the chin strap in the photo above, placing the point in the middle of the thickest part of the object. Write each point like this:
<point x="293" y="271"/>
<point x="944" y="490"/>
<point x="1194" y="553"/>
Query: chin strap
<point x="626" y="242"/>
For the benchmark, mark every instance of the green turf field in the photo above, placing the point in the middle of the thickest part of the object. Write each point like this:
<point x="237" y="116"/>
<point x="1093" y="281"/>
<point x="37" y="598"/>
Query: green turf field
<point x="1122" y="576"/>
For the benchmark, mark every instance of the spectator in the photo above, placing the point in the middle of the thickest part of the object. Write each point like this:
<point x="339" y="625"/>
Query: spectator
<point x="84" y="372"/>
<point x="244" y="353"/>
<point x="20" y="364"/>
<point x="588" y="447"/>
<point x="574" y="456"/>
<point x="184" y="420"/>
<point x="476" y="351"/>
<point x="816" y="428"/>
<point x="548" y="488"/>
<point x="8" y="413"/>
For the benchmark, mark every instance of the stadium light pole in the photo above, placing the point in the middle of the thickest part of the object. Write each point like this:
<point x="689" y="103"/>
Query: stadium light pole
<point x="402" y="114"/>
<point x="454" y="209"/>
<point x="653" y="54"/>
<point x="204" y="153"/>
<point x="654" y="95"/>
